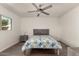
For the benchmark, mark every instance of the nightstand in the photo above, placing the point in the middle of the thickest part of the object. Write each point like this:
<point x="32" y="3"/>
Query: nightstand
<point x="23" y="38"/>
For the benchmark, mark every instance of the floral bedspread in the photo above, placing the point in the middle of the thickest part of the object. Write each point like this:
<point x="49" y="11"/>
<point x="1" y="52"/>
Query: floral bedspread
<point x="42" y="41"/>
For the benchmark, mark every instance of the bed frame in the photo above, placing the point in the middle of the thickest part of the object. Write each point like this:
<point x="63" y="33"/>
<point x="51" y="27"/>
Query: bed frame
<point x="42" y="32"/>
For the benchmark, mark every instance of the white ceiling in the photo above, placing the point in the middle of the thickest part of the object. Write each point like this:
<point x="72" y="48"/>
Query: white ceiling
<point x="22" y="9"/>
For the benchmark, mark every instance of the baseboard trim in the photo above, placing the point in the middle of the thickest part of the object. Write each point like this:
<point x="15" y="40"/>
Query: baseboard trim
<point x="16" y="42"/>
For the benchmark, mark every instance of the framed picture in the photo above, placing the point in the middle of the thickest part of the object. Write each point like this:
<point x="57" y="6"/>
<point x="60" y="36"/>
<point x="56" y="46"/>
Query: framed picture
<point x="5" y="23"/>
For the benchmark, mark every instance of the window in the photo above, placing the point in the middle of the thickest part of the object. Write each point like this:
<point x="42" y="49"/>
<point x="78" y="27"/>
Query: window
<point x="5" y="23"/>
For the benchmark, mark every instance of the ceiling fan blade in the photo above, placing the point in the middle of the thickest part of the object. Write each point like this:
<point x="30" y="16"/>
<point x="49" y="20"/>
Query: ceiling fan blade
<point x="45" y="13"/>
<point x="35" y="5"/>
<point x="40" y="5"/>
<point x="47" y="7"/>
<point x="31" y="11"/>
<point x="38" y="15"/>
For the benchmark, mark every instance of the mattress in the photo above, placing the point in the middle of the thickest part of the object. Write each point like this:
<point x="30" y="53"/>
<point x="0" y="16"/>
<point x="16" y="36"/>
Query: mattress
<point x="41" y="41"/>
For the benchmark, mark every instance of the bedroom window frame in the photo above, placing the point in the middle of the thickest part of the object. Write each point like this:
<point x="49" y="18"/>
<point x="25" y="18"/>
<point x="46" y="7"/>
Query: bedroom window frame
<point x="5" y="23"/>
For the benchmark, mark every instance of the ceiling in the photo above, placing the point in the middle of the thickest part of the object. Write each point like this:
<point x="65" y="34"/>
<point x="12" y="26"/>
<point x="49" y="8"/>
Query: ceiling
<point x="22" y="9"/>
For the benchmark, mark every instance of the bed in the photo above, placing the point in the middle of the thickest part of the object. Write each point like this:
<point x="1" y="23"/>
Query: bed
<point x="41" y="40"/>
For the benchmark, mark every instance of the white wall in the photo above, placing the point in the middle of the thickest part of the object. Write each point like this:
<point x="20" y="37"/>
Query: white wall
<point x="70" y="27"/>
<point x="9" y="38"/>
<point x="30" y="23"/>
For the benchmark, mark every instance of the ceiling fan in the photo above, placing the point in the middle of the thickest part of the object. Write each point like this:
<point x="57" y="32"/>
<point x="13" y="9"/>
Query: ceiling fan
<point x="40" y="10"/>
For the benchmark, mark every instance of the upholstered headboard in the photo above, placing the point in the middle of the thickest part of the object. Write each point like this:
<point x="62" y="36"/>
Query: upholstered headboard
<point x="40" y="31"/>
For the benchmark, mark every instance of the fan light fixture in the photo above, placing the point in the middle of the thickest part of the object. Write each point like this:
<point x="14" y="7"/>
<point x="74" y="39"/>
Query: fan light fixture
<point x="40" y="9"/>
